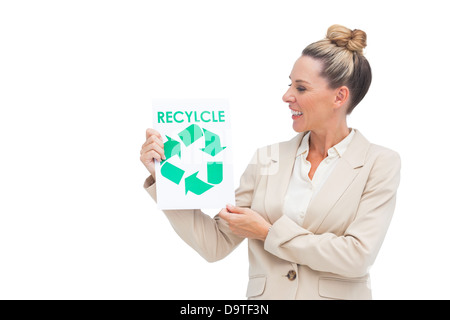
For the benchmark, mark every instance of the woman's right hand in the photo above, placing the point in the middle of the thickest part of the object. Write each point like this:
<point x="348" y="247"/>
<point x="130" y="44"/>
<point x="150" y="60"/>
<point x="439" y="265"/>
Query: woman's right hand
<point x="153" y="148"/>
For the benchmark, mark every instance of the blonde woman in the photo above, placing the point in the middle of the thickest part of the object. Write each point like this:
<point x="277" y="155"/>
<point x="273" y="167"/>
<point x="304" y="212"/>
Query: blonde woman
<point x="316" y="216"/>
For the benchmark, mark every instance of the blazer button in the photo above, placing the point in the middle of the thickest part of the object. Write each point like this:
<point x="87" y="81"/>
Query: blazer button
<point x="291" y="275"/>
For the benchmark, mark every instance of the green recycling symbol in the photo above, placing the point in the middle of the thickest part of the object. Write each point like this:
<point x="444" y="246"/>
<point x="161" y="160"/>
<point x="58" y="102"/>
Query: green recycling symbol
<point x="212" y="147"/>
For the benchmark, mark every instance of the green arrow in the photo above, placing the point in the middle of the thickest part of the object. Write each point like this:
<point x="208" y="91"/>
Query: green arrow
<point x="190" y="134"/>
<point x="215" y="172"/>
<point x="171" y="148"/>
<point x="195" y="185"/>
<point x="212" y="143"/>
<point x="171" y="172"/>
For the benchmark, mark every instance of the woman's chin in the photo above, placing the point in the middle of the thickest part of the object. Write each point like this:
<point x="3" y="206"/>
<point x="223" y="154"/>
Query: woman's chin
<point x="298" y="128"/>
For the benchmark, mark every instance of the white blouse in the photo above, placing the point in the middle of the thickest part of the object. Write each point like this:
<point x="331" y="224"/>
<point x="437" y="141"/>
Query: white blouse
<point x="301" y="188"/>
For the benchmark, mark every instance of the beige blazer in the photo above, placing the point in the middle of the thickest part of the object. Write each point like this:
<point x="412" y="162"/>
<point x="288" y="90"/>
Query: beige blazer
<point x="330" y="255"/>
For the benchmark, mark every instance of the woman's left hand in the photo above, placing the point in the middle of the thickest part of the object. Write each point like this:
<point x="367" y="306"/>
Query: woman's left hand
<point x="245" y="222"/>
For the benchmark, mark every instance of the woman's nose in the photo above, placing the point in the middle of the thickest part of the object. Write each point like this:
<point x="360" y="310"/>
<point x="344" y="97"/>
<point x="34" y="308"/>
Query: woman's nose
<point x="288" y="97"/>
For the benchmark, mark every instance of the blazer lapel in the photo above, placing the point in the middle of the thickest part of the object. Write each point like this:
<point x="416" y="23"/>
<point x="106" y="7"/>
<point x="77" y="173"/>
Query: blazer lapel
<point x="279" y="175"/>
<point x="340" y="179"/>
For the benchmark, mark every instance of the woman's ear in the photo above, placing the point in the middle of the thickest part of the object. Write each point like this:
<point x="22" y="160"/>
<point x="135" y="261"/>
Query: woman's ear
<point x="342" y="96"/>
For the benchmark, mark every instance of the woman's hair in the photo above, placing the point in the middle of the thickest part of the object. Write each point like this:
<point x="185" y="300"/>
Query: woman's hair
<point x="341" y="53"/>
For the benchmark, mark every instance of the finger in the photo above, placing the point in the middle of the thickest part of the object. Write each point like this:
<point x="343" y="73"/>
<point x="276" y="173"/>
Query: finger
<point x="156" y="155"/>
<point x="146" y="159"/>
<point x="154" y="139"/>
<point x="150" y="155"/>
<point x="152" y="132"/>
<point x="224" y="214"/>
<point x="155" y="147"/>
<point x="235" y="209"/>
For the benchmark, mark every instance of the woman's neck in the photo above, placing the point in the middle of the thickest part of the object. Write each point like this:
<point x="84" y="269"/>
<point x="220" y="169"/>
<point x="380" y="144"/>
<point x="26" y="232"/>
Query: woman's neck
<point x="322" y="140"/>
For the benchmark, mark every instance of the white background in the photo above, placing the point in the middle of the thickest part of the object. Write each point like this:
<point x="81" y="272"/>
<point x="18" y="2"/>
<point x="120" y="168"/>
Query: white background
<point x="76" y="83"/>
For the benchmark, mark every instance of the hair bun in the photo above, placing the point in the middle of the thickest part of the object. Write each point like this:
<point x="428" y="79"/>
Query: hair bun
<point x="354" y="41"/>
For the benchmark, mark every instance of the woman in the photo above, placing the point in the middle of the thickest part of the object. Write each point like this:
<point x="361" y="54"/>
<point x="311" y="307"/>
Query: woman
<point x="315" y="209"/>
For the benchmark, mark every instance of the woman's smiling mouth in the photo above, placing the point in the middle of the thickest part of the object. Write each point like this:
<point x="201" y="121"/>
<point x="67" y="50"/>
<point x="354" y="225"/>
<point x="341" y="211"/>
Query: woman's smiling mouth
<point x="296" y="114"/>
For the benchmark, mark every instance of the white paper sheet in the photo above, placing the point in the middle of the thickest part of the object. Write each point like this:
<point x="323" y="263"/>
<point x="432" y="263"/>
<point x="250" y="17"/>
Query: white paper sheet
<point x="198" y="170"/>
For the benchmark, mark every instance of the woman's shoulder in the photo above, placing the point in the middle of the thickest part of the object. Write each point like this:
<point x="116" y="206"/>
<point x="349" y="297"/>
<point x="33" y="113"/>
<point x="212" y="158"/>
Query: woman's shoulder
<point x="379" y="153"/>
<point x="383" y="151"/>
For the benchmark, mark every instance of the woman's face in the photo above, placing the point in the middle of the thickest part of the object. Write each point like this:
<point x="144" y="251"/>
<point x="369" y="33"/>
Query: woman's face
<point x="311" y="101"/>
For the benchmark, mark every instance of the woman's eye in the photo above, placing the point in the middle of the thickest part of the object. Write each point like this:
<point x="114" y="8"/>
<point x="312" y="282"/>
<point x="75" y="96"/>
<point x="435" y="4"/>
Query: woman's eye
<point x="299" y="89"/>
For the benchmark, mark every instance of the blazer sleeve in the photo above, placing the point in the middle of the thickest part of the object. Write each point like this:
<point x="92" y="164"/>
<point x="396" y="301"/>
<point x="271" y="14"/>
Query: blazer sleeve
<point x="351" y="254"/>
<point x="210" y="237"/>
